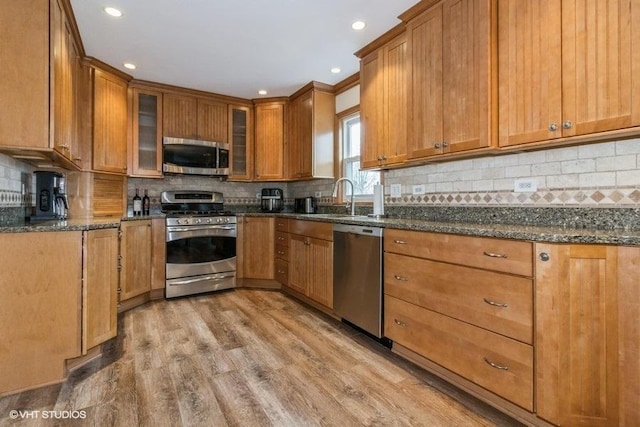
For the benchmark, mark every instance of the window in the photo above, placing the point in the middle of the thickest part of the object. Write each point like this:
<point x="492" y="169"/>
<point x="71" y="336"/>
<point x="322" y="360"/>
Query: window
<point x="363" y="180"/>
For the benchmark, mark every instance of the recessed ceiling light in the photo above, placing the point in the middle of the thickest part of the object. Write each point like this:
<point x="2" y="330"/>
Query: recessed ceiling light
<point x="358" y="25"/>
<point x="335" y="70"/>
<point x="262" y="92"/>
<point x="129" y="65"/>
<point x="113" y="11"/>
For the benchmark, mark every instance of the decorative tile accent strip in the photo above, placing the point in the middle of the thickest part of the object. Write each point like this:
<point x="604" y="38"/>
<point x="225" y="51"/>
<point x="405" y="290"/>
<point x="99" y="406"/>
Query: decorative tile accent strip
<point x="14" y="199"/>
<point x="595" y="197"/>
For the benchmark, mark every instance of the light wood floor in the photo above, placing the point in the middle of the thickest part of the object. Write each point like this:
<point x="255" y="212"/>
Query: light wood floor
<point x="248" y="358"/>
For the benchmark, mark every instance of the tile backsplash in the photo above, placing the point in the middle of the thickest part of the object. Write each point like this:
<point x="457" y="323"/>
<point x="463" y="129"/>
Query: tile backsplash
<point x="17" y="183"/>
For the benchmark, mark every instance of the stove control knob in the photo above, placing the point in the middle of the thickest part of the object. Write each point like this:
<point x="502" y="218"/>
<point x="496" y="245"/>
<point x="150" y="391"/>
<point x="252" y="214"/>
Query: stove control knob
<point x="198" y="221"/>
<point x="218" y="220"/>
<point x="226" y="220"/>
<point x="208" y="220"/>
<point x="179" y="221"/>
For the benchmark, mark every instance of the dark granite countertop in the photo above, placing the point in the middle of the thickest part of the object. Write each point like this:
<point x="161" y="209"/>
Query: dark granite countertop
<point x="550" y="234"/>
<point x="59" y="225"/>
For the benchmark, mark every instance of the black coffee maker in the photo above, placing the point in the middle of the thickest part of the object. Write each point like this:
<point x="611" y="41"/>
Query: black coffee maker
<point x="51" y="197"/>
<point x="272" y="200"/>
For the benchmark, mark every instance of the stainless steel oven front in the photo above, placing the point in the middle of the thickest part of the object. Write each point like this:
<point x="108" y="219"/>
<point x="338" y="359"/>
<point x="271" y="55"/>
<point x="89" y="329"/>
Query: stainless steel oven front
<point x="201" y="255"/>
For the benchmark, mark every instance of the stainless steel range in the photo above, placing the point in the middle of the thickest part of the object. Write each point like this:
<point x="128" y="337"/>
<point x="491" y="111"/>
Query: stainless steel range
<point x="201" y="243"/>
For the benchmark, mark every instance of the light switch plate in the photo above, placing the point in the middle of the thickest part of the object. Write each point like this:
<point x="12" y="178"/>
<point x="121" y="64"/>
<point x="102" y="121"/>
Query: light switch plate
<point x="523" y="185"/>
<point x="318" y="194"/>
<point x="396" y="190"/>
<point x="258" y="195"/>
<point x="418" y="190"/>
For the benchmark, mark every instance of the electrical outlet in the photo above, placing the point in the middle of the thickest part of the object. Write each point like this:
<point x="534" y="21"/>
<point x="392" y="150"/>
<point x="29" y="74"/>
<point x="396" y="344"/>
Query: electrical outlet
<point x="318" y="194"/>
<point x="396" y="190"/>
<point x="418" y="190"/>
<point x="523" y="185"/>
<point x="258" y="195"/>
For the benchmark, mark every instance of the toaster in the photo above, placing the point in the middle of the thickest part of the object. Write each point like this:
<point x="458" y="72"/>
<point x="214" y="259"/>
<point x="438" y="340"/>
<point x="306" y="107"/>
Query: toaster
<point x="307" y="205"/>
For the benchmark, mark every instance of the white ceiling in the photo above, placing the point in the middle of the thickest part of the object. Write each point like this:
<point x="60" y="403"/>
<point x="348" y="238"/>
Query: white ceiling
<point x="234" y="47"/>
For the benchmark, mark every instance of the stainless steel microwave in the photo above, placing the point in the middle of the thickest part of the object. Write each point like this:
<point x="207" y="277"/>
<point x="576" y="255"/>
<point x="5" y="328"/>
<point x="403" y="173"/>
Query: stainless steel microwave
<point x="195" y="157"/>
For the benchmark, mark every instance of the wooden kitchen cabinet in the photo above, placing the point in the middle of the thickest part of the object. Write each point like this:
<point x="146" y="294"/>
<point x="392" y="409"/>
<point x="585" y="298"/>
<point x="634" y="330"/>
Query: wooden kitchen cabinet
<point x="311" y="260"/>
<point x="451" y="61"/>
<point x="567" y="69"/>
<point x="587" y="341"/>
<point x="383" y="103"/>
<point x="241" y="143"/>
<point x="187" y="116"/>
<point x="145" y="153"/>
<point x="462" y="306"/>
<point x="38" y="117"/>
<point x="110" y="122"/>
<point x="270" y="142"/>
<point x="135" y="259"/>
<point x="281" y="248"/>
<point x="257" y="250"/>
<point x="311" y="124"/>
<point x="40" y="308"/>
<point x="100" y="287"/>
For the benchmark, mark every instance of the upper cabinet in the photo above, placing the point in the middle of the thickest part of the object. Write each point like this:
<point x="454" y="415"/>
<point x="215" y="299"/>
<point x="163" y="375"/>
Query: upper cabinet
<point x="145" y="152"/>
<point x="186" y="116"/>
<point x="311" y="124"/>
<point x="39" y="89"/>
<point x="567" y="68"/>
<point x="270" y="140"/>
<point x="110" y="104"/>
<point x="451" y="57"/>
<point x="241" y="142"/>
<point x="383" y="103"/>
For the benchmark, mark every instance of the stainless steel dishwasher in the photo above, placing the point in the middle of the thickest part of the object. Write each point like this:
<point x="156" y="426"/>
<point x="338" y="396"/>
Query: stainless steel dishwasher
<point x="357" y="276"/>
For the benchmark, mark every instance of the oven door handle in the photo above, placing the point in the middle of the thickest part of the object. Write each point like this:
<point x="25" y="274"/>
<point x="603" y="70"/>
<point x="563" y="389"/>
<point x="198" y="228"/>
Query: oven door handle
<point x="200" y="228"/>
<point x="200" y="279"/>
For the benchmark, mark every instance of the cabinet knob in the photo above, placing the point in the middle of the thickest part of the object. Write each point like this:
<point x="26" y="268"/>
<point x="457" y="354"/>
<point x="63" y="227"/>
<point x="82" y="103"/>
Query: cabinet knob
<point x="401" y="323"/>
<point x="567" y="124"/>
<point x="544" y="256"/>
<point x="445" y="144"/>
<point x="400" y="278"/>
<point x="553" y="127"/>
<point x="436" y="146"/>
<point x="400" y="242"/>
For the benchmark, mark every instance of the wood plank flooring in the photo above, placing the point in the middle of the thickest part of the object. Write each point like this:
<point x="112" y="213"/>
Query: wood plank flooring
<point x="248" y="358"/>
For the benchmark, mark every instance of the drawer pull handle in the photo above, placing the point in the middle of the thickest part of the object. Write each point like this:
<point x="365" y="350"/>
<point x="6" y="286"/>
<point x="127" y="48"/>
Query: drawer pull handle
<point x="280" y="272"/>
<point x="495" y="255"/>
<point x="497" y="304"/>
<point x="401" y="323"/>
<point x="495" y="365"/>
<point x="402" y="279"/>
<point x="400" y="242"/>
<point x="280" y="238"/>
<point x="282" y="253"/>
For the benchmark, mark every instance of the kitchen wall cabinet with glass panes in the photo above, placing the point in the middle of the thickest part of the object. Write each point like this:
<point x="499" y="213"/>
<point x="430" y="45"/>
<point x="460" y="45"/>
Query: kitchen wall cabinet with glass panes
<point x="241" y="142"/>
<point x="145" y="154"/>
<point x="568" y="70"/>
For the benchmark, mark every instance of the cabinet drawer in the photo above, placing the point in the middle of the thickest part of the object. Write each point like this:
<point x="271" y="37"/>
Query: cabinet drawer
<point x="282" y="252"/>
<point x="319" y="230"/>
<point x="499" y="302"/>
<point x="282" y="238"/>
<point x="282" y="224"/>
<point x="282" y="271"/>
<point x="464" y="349"/>
<point x="508" y="256"/>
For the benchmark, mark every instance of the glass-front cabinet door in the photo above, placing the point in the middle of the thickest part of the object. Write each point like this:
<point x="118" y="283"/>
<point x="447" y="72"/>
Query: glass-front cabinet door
<point x="146" y="153"/>
<point x="241" y="142"/>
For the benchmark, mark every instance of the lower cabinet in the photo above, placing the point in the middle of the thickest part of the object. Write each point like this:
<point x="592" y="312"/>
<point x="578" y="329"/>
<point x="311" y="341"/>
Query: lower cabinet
<point x="135" y="260"/>
<point x="100" y="288"/>
<point x="310" y="265"/>
<point x="256" y="247"/>
<point x="40" y="314"/>
<point x="587" y="334"/>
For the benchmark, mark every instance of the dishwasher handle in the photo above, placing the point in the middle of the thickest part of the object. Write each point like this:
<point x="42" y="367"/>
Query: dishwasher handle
<point x="358" y="229"/>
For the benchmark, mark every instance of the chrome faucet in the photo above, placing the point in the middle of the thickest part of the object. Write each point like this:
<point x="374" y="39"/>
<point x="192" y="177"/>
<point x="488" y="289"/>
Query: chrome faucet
<point x="335" y="193"/>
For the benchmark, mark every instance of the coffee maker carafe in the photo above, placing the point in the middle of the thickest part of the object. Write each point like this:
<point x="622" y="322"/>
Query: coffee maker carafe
<point x="271" y="200"/>
<point x="51" y="197"/>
